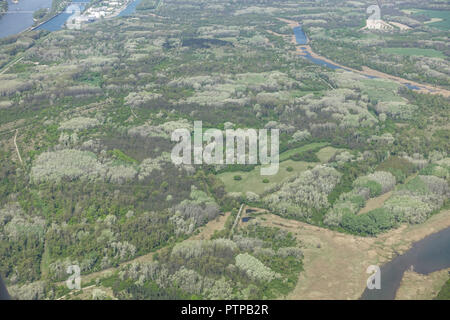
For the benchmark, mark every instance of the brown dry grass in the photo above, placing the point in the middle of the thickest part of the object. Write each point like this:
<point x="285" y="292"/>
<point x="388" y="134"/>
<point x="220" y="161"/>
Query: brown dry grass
<point x="375" y="203"/>
<point x="415" y="286"/>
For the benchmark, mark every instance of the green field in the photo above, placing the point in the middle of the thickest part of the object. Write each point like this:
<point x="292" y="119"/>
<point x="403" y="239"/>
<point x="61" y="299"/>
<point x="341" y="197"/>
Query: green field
<point x="442" y="18"/>
<point x="380" y="89"/>
<point x="325" y="154"/>
<point x="253" y="180"/>
<point x="414" y="52"/>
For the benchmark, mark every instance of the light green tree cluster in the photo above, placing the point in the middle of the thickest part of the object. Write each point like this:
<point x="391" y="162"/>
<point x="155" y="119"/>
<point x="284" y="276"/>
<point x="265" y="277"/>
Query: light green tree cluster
<point x="305" y="192"/>
<point x="254" y="268"/>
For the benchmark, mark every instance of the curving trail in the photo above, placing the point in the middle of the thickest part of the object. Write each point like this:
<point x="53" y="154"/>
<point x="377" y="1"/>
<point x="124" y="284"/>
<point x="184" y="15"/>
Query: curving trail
<point x="17" y="148"/>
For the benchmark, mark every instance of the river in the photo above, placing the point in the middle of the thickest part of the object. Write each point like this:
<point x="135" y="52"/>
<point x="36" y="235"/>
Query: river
<point x="20" y="16"/>
<point x="426" y="256"/>
<point x="130" y="9"/>
<point x="57" y="22"/>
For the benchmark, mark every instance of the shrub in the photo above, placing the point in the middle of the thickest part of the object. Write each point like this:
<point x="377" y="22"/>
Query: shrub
<point x="305" y="193"/>
<point x="79" y="123"/>
<point x="365" y="182"/>
<point x="399" y="167"/>
<point x="307" y="156"/>
<point x="372" y="223"/>
<point x="254" y="268"/>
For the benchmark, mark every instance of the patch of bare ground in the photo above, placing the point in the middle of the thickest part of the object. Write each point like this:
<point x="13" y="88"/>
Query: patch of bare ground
<point x="335" y="264"/>
<point x="87" y="293"/>
<point x="415" y="286"/>
<point x="291" y="23"/>
<point x="401" y="26"/>
<point x="208" y="230"/>
<point x="375" y="203"/>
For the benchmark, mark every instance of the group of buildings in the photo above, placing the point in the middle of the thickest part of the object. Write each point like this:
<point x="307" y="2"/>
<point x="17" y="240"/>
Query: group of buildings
<point x="103" y="9"/>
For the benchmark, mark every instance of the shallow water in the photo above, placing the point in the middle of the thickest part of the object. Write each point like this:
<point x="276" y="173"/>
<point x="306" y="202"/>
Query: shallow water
<point x="302" y="39"/>
<point x="426" y="256"/>
<point x="130" y="9"/>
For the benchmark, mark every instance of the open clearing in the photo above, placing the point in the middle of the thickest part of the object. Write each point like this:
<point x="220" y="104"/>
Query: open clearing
<point x="401" y="26"/>
<point x="208" y="230"/>
<point x="253" y="180"/>
<point x="287" y="154"/>
<point x="335" y="263"/>
<point x="375" y="203"/>
<point x="325" y="154"/>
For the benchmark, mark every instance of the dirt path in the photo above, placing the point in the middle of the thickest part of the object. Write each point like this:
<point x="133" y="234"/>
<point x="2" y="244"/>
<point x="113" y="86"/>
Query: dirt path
<point x="17" y="148"/>
<point x="366" y="71"/>
<point x="335" y="263"/>
<point x="375" y="203"/>
<point x="236" y="220"/>
<point x="10" y="65"/>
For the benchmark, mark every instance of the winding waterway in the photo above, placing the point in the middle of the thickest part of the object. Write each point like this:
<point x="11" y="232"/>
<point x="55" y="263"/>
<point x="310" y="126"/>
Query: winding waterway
<point x="426" y="256"/>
